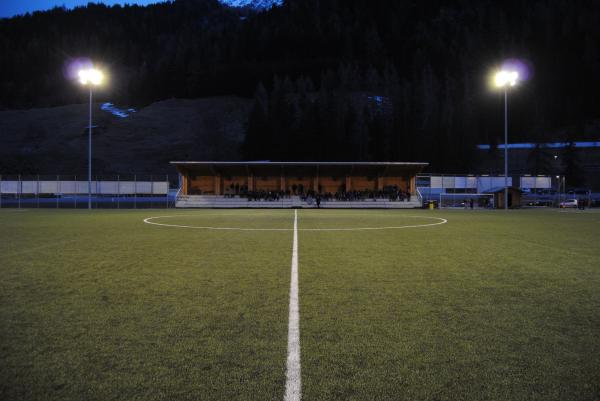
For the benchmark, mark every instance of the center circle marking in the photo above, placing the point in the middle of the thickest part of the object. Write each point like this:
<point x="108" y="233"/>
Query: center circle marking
<point x="439" y="221"/>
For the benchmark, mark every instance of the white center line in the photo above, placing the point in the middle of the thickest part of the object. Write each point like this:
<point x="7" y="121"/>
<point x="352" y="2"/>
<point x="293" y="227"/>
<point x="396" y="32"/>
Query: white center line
<point x="293" y="385"/>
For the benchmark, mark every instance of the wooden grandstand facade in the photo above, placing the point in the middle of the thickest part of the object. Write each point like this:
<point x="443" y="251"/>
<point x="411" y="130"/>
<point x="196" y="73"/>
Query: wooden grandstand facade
<point x="223" y="178"/>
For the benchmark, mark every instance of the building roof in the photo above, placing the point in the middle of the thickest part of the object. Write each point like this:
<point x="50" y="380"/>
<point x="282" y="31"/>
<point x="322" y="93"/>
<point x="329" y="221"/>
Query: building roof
<point x="268" y="168"/>
<point x="270" y="163"/>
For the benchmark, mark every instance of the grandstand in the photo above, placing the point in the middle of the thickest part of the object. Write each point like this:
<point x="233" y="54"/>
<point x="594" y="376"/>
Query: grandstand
<point x="264" y="184"/>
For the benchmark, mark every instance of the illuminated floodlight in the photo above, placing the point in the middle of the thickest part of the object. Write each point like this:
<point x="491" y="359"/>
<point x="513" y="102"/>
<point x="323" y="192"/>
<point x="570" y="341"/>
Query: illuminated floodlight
<point x="503" y="79"/>
<point x="90" y="76"/>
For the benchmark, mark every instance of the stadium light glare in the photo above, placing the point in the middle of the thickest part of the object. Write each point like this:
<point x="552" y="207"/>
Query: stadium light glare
<point x="505" y="79"/>
<point x="90" y="77"/>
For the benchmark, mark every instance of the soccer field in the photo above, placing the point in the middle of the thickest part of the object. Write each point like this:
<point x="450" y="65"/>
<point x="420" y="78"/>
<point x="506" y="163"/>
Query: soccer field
<point x="393" y="305"/>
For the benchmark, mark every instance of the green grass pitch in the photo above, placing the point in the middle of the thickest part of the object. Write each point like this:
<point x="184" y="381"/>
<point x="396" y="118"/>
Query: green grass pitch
<point x="492" y="305"/>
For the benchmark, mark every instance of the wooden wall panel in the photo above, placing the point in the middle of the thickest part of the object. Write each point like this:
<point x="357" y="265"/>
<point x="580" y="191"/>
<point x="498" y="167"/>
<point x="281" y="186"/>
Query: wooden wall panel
<point x="228" y="181"/>
<point x="397" y="181"/>
<point x="362" y="183"/>
<point x="329" y="184"/>
<point x="266" y="183"/>
<point x="200" y="185"/>
<point x="306" y="182"/>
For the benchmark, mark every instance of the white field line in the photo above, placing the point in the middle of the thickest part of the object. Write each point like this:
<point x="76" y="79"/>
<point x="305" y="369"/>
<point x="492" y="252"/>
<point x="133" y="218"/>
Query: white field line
<point x="149" y="221"/>
<point x="293" y="384"/>
<point x="440" y="221"/>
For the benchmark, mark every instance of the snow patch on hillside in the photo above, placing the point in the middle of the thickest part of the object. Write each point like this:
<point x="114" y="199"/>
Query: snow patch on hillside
<point x="256" y="4"/>
<point x="115" y="111"/>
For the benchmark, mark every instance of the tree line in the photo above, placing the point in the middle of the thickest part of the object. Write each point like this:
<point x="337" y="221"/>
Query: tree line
<point x="332" y="79"/>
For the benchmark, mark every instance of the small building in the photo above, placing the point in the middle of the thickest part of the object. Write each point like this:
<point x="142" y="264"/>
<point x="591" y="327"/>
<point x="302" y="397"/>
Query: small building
<point x="514" y="197"/>
<point x="224" y="178"/>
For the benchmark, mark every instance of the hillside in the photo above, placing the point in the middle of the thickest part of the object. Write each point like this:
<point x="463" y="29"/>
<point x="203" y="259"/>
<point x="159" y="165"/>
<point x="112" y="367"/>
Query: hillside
<point x="426" y="66"/>
<point x="54" y="140"/>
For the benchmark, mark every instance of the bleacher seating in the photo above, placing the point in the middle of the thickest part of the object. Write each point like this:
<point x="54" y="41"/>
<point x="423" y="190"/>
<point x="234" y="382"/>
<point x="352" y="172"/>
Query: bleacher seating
<point x="221" y="202"/>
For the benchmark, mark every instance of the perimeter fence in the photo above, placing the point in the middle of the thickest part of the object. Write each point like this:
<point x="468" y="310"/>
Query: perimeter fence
<point x="75" y="192"/>
<point x="535" y="191"/>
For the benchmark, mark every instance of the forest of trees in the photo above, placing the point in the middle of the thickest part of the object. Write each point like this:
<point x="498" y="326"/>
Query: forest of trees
<point x="331" y="79"/>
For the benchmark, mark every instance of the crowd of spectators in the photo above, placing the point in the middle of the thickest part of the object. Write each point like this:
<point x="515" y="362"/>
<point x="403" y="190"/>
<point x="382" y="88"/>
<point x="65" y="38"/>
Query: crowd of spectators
<point x="389" y="193"/>
<point x="348" y="196"/>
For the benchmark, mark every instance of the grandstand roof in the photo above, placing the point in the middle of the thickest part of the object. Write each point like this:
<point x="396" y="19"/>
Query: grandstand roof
<point x="271" y="163"/>
<point x="264" y="167"/>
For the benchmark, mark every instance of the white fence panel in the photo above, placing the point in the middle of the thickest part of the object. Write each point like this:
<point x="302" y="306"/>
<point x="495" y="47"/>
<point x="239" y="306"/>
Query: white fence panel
<point x="81" y="187"/>
<point x="108" y="187"/>
<point x="460" y="182"/>
<point x="127" y="188"/>
<point x="448" y="182"/>
<point x="49" y="187"/>
<point x="436" y="182"/>
<point x="144" y="187"/>
<point x="487" y="183"/>
<point x="543" y="182"/>
<point x="9" y="187"/>
<point x="161" y="188"/>
<point x="527" y="182"/>
<point x="67" y="187"/>
<point x="29" y="187"/>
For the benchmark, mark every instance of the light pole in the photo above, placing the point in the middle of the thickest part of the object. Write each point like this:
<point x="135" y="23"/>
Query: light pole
<point x="90" y="77"/>
<point x="558" y="190"/>
<point x="505" y="80"/>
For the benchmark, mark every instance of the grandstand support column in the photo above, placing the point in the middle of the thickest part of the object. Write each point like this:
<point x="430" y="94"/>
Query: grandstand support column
<point x="316" y="181"/>
<point x="250" y="182"/>
<point x="380" y="183"/>
<point x="184" y="185"/>
<point x="411" y="184"/>
<point x="217" y="186"/>
<point x="282" y="182"/>
<point x="348" y="183"/>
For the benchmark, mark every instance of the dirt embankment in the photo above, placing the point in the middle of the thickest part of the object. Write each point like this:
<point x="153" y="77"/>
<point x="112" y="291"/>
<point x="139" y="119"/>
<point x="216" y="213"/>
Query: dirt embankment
<point x="54" y="140"/>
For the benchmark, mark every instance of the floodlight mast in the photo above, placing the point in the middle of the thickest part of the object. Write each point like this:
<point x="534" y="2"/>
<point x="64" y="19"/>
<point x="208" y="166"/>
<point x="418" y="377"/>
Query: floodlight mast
<point x="506" y="80"/>
<point x="90" y="77"/>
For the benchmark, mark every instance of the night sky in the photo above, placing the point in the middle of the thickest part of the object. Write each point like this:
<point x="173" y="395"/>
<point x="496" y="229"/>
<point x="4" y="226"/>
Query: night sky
<point x="9" y="8"/>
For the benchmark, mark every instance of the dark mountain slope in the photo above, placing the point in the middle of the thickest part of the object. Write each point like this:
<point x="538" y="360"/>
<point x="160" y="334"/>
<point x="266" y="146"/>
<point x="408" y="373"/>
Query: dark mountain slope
<point x="54" y="140"/>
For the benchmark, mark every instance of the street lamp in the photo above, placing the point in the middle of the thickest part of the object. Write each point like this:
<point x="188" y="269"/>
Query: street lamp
<point x="90" y="77"/>
<point x="505" y="80"/>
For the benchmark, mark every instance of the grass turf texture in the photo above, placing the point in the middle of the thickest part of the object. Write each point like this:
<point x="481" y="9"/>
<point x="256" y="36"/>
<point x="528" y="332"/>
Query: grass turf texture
<point x="493" y="305"/>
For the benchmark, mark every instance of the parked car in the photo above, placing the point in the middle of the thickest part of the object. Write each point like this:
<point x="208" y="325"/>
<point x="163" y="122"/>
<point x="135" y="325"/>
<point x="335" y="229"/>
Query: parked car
<point x="569" y="203"/>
